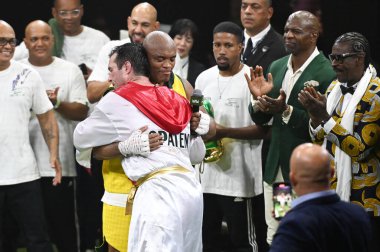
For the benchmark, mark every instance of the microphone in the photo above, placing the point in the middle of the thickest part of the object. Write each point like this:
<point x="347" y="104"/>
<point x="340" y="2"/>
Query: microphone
<point x="196" y="100"/>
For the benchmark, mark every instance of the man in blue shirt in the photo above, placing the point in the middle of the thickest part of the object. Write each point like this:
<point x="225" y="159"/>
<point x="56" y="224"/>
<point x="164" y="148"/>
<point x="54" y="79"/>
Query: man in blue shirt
<point x="319" y="220"/>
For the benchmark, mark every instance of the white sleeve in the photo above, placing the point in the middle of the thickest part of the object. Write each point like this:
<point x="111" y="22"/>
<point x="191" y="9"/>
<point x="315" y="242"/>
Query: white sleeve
<point x="94" y="131"/>
<point x="197" y="150"/>
<point x="21" y="52"/>
<point x="41" y="103"/>
<point x="78" y="92"/>
<point x="313" y="132"/>
<point x="100" y="71"/>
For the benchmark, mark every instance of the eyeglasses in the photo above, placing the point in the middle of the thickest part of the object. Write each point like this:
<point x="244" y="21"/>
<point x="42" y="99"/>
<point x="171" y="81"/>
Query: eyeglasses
<point x="340" y="57"/>
<point x="66" y="13"/>
<point x="10" y="41"/>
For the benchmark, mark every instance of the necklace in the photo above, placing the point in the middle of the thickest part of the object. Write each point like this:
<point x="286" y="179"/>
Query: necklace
<point x="221" y="91"/>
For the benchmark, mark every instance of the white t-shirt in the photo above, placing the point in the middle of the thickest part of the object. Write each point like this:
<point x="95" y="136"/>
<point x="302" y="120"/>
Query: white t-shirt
<point x="72" y="88"/>
<point x="22" y="91"/>
<point x="238" y="173"/>
<point x="82" y="48"/>
<point x="100" y="72"/>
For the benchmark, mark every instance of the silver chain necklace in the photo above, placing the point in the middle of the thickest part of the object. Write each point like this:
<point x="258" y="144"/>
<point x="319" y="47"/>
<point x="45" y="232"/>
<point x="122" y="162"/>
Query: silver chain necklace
<point x="221" y="92"/>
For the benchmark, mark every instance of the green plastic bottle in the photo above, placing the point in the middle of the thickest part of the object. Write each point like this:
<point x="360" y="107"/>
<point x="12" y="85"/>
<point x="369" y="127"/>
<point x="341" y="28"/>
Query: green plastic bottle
<point x="214" y="149"/>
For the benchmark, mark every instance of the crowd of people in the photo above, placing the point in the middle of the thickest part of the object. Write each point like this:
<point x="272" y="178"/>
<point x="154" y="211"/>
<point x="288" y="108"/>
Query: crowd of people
<point x="104" y="142"/>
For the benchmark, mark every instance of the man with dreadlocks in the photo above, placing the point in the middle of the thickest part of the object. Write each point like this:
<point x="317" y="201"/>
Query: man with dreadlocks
<point x="348" y="124"/>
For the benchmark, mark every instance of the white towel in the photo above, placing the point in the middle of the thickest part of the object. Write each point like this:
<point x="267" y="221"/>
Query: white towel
<point x="342" y="160"/>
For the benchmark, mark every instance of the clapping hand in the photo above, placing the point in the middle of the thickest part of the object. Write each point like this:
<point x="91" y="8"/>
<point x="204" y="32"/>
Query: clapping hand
<point x="272" y="106"/>
<point x="315" y="104"/>
<point x="257" y="83"/>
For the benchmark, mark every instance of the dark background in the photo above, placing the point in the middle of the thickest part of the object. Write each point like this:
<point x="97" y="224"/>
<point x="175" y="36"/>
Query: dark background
<point x="338" y="16"/>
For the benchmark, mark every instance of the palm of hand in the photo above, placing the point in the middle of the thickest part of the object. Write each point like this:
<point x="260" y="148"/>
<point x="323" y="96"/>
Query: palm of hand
<point x="259" y="86"/>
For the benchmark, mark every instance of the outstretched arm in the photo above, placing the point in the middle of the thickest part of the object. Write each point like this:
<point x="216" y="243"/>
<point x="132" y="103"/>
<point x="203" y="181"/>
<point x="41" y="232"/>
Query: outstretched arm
<point x="49" y="128"/>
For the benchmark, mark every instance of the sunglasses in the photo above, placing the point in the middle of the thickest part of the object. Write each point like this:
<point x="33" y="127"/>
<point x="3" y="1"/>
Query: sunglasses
<point x="10" y="41"/>
<point x="341" y="57"/>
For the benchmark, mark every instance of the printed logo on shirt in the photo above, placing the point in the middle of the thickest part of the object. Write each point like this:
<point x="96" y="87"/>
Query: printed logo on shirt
<point x="180" y="140"/>
<point x="18" y="82"/>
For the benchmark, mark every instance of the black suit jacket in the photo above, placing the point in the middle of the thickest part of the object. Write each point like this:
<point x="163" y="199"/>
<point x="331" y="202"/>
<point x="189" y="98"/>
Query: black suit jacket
<point x="268" y="50"/>
<point x="195" y="68"/>
<point x="323" y="224"/>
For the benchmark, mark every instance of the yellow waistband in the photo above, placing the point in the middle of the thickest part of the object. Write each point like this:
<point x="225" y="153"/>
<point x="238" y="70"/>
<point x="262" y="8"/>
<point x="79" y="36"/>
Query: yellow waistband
<point x="132" y="193"/>
<point x="171" y="169"/>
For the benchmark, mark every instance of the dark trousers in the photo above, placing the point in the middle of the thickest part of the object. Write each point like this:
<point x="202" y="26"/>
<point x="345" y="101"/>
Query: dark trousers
<point x="237" y="213"/>
<point x="258" y="210"/>
<point x="60" y="209"/>
<point x="374" y="245"/>
<point x="90" y="190"/>
<point x="24" y="202"/>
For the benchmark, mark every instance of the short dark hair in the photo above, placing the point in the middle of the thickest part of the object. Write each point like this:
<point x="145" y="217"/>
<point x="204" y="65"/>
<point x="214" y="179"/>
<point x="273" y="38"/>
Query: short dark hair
<point x="182" y="27"/>
<point x="229" y="27"/>
<point x="135" y="54"/>
<point x="55" y="2"/>
<point x="358" y="44"/>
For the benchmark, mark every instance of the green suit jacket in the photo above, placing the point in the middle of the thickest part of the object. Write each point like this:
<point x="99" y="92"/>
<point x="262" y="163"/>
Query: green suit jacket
<point x="285" y="137"/>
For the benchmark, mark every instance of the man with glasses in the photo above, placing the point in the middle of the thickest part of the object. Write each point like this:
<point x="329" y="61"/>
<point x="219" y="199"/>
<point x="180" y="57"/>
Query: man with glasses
<point x="73" y="41"/>
<point x="23" y="93"/>
<point x="348" y="124"/>
<point x="277" y="99"/>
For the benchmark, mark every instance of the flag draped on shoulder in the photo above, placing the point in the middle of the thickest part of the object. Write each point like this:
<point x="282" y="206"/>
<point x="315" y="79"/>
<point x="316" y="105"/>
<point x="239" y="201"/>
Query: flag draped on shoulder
<point x="163" y="106"/>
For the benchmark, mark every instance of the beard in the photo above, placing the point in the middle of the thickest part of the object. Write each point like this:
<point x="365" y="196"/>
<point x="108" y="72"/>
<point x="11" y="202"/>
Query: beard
<point x="224" y="67"/>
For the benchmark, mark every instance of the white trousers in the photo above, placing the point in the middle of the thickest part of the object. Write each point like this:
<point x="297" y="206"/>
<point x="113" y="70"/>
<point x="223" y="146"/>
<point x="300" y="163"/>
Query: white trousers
<point x="268" y="200"/>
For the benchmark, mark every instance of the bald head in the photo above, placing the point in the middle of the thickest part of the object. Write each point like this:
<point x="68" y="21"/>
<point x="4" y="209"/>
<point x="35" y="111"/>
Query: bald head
<point x="158" y="40"/>
<point x="310" y="168"/>
<point x="301" y="34"/>
<point x="7" y="35"/>
<point x="39" y="40"/>
<point x="308" y="20"/>
<point x="145" y="9"/>
<point x="37" y="26"/>
<point x="143" y="20"/>
<point x="5" y="25"/>
<point x="161" y="52"/>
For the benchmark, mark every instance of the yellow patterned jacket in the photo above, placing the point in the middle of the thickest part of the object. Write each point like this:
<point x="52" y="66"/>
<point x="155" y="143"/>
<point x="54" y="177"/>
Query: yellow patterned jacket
<point x="363" y="146"/>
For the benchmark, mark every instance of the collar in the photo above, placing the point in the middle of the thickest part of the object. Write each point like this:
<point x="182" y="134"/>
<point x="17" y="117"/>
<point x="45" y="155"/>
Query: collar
<point x="183" y="62"/>
<point x="307" y="62"/>
<point x="311" y="196"/>
<point x="257" y="37"/>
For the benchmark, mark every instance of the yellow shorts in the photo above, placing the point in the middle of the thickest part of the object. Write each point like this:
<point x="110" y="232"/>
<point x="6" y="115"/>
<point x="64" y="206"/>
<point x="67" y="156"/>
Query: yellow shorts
<point x="116" y="226"/>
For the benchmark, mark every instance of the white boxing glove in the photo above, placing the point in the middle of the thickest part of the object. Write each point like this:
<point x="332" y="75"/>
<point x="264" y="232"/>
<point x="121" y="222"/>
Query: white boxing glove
<point x="136" y="144"/>
<point x="204" y="124"/>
